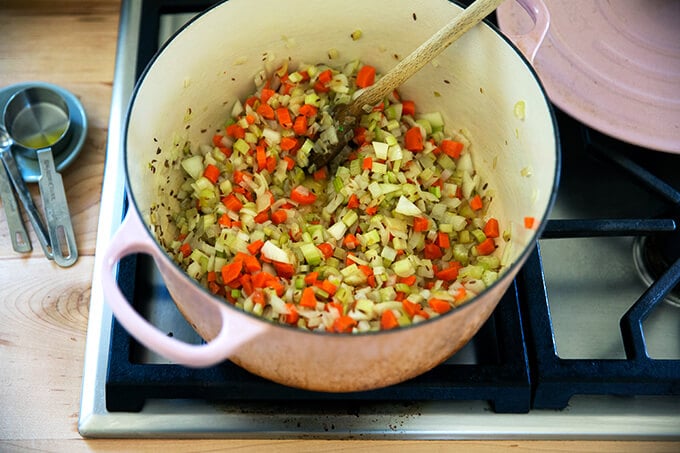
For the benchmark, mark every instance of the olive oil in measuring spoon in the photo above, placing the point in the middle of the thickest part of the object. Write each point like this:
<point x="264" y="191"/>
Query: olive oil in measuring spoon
<point x="40" y="126"/>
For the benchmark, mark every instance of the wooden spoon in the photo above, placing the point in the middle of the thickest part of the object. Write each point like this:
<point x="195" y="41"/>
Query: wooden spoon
<point x="346" y="115"/>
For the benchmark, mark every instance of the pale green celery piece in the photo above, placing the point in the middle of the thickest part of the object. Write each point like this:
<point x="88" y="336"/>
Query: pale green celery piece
<point x="352" y="275"/>
<point x="311" y="253"/>
<point x="434" y="118"/>
<point x="403" y="268"/>
<point x="489" y="262"/>
<point x="193" y="166"/>
<point x="389" y="254"/>
<point x="241" y="146"/>
<point x="372" y="237"/>
<point x="425" y="125"/>
<point x="478" y="235"/>
<point x="350" y="218"/>
<point x="365" y="306"/>
<point x="379" y="168"/>
<point x="387" y="294"/>
<point x="460" y="253"/>
<point x="471" y="271"/>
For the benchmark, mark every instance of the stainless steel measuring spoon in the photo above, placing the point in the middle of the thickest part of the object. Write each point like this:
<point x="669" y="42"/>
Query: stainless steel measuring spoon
<point x="21" y="242"/>
<point x="38" y="121"/>
<point x="15" y="177"/>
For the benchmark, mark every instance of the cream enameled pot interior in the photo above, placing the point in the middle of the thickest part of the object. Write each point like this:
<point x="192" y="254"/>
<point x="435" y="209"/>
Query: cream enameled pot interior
<point x="188" y="91"/>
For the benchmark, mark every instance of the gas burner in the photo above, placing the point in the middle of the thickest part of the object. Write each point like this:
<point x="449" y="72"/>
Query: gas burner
<point x="654" y="255"/>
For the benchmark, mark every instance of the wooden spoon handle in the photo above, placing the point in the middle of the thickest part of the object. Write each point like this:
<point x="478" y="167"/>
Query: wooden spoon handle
<point x="425" y="53"/>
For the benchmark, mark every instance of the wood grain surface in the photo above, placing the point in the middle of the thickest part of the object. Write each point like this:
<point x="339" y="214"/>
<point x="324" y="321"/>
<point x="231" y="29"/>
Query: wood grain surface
<point x="44" y="309"/>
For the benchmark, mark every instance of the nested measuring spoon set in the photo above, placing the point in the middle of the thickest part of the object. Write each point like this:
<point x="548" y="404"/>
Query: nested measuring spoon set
<point x="42" y="129"/>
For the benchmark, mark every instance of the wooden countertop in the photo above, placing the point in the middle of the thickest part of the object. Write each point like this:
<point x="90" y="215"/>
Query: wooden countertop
<point x="44" y="308"/>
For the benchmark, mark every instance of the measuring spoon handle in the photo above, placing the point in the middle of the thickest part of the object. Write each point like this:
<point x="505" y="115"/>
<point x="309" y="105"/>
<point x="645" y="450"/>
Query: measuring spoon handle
<point x="21" y="242"/>
<point x="58" y="218"/>
<point x="26" y="200"/>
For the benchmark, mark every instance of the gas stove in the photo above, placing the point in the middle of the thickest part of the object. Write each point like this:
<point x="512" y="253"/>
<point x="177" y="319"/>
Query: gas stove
<point x="585" y="343"/>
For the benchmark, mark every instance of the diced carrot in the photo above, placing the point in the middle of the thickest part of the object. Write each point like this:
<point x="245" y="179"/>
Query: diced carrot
<point x="308" y="110"/>
<point x="486" y="247"/>
<point x="325" y="76"/>
<point x="261" y="156"/>
<point x="420" y="224"/>
<point x="266" y="94"/>
<point x="258" y="297"/>
<point x="254" y="247"/>
<point x="450" y="273"/>
<point x="460" y="295"/>
<point x="359" y="135"/>
<point x="432" y="251"/>
<point x="371" y="281"/>
<point x="443" y="240"/>
<point x="408" y="108"/>
<point x="350" y="241"/>
<point x="252" y="100"/>
<point x="451" y="148"/>
<point x="261" y="217"/>
<point x="311" y="278"/>
<point x="232" y="202"/>
<point x="290" y="163"/>
<point x="410" y="280"/>
<point x="329" y="287"/>
<point x="236" y="131"/>
<point x="388" y="320"/>
<point x="287" y="143"/>
<point x="372" y="210"/>
<point x="413" y="140"/>
<point x="326" y="249"/>
<point x="283" y="115"/>
<point x="476" y="203"/>
<point x="353" y="202"/>
<point x="211" y="172"/>
<point x="321" y="174"/>
<point x="491" y="229"/>
<point x="224" y="221"/>
<point x="185" y="249"/>
<point x="302" y="195"/>
<point x="321" y="87"/>
<point x="284" y="270"/>
<point x="246" y="282"/>
<point x="292" y="316"/>
<point x="231" y="271"/>
<point x="367" y="164"/>
<point x="300" y="125"/>
<point x="344" y="324"/>
<point x="365" y="76"/>
<point x="249" y="262"/>
<point x="279" y="216"/>
<point x="217" y="139"/>
<point x="240" y="176"/>
<point x="308" y="298"/>
<point x="262" y="279"/>
<point x="439" y="306"/>
<point x="271" y="164"/>
<point x="266" y="111"/>
<point x="334" y="306"/>
<point x="250" y="119"/>
<point x="529" y="222"/>
<point x="367" y="270"/>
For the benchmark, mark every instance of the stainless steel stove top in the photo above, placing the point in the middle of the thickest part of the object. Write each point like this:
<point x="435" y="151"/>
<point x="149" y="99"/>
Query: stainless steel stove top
<point x="591" y="282"/>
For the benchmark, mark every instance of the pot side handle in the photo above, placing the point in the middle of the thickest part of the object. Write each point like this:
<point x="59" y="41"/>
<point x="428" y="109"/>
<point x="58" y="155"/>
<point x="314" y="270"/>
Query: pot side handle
<point x="530" y="41"/>
<point x="132" y="237"/>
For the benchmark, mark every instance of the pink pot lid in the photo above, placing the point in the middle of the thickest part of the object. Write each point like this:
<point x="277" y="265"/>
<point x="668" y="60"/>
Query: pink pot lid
<point x="614" y="65"/>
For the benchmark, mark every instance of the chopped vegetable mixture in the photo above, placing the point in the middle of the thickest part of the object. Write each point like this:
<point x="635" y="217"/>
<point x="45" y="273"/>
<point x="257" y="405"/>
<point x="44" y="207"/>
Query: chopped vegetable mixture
<point x="397" y="235"/>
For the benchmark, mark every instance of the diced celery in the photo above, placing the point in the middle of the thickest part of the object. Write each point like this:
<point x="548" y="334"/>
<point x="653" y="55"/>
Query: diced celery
<point x="380" y="149"/>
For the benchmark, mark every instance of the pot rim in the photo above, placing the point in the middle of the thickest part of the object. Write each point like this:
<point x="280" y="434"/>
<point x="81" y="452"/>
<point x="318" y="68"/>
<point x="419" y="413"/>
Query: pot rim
<point x="510" y="270"/>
